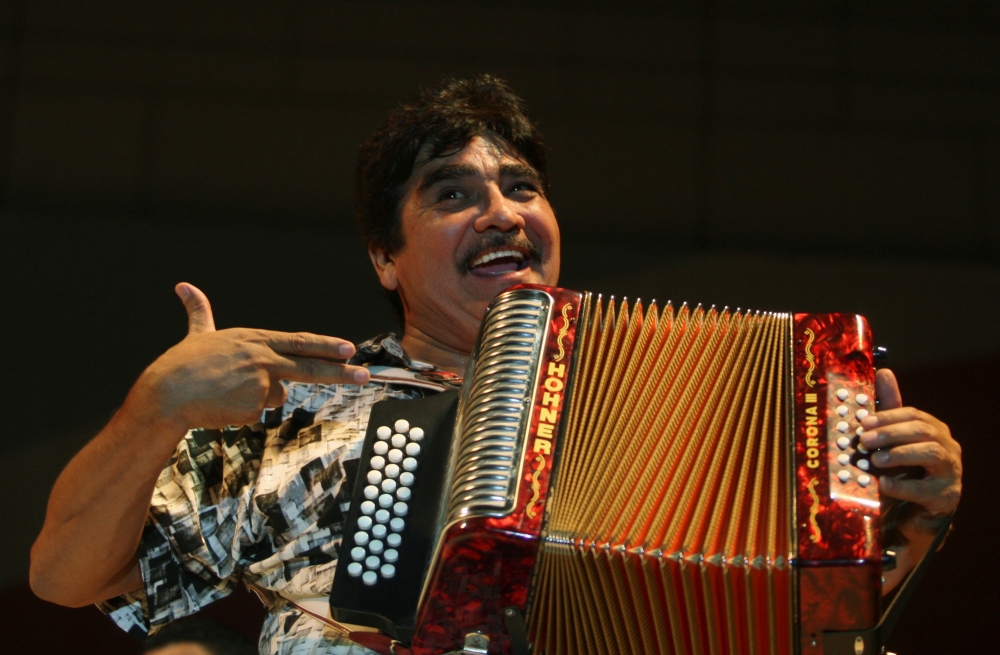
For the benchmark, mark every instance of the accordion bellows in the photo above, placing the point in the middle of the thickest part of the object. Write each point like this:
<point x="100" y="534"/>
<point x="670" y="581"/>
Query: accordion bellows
<point x="679" y="544"/>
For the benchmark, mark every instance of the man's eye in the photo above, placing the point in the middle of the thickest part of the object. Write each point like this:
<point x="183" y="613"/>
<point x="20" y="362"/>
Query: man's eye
<point x="522" y="187"/>
<point x="451" y="194"/>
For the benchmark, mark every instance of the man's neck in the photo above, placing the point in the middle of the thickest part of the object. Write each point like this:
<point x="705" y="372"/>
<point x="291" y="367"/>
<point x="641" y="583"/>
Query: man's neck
<point x="420" y="346"/>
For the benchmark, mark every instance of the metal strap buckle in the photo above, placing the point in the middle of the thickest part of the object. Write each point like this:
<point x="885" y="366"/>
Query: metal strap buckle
<point x="476" y="643"/>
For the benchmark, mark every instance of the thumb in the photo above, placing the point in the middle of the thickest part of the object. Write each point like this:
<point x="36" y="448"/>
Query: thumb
<point x="887" y="390"/>
<point x="199" y="310"/>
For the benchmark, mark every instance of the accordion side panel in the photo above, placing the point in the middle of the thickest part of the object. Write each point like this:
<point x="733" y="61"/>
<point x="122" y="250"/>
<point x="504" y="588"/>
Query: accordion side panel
<point x="837" y="500"/>
<point x="486" y="553"/>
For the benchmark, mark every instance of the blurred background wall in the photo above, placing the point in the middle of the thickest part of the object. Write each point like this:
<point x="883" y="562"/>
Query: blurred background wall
<point x="829" y="155"/>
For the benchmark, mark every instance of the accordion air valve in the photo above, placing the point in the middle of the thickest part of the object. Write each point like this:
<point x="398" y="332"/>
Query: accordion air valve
<point x="629" y="479"/>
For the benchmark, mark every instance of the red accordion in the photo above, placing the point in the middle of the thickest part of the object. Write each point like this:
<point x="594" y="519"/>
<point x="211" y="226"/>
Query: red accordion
<point x="629" y="480"/>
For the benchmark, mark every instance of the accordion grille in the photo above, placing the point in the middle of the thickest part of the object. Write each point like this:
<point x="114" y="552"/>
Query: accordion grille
<point x="669" y="524"/>
<point x="491" y="424"/>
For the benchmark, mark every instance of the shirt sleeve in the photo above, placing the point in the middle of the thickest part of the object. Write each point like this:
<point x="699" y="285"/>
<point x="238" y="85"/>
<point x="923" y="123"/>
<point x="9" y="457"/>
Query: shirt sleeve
<point x="196" y="530"/>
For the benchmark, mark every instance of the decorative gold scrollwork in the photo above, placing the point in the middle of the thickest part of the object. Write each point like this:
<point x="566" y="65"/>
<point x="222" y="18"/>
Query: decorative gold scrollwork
<point x="563" y="331"/>
<point x="810" y="357"/>
<point x="536" y="488"/>
<point x="817" y="534"/>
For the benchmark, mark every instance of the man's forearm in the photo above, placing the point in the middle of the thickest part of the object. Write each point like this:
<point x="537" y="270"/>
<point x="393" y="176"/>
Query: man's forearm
<point x="86" y="549"/>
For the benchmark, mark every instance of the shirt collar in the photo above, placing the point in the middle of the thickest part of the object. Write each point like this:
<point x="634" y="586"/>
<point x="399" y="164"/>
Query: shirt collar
<point x="385" y="350"/>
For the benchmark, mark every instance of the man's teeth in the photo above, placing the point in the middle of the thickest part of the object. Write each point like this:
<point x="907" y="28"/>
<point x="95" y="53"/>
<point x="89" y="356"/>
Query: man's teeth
<point x="488" y="257"/>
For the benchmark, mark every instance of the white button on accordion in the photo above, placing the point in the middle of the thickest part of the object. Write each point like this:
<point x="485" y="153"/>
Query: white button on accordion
<point x="630" y="479"/>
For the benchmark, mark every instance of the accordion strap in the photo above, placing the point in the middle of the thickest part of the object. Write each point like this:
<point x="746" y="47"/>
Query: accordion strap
<point x="318" y="607"/>
<point x="869" y="642"/>
<point x="435" y="380"/>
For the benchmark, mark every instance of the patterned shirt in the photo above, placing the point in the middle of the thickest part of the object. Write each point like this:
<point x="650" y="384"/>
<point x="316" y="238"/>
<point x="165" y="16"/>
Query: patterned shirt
<point x="268" y="502"/>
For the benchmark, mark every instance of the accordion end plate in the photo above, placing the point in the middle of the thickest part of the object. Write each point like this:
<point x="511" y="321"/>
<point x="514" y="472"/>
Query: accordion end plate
<point x="837" y="502"/>
<point x="487" y="549"/>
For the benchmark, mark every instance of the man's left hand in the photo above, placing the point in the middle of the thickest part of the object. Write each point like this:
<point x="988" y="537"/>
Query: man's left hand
<point x="905" y="437"/>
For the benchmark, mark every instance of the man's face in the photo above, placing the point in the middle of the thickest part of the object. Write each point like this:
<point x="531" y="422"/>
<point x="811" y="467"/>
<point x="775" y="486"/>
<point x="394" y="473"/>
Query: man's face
<point x="474" y="223"/>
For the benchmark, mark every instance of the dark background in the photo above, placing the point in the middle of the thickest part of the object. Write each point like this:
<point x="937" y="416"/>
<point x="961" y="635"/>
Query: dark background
<point x="803" y="156"/>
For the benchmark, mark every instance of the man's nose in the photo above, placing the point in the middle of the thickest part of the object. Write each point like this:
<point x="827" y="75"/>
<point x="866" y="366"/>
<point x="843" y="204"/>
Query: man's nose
<point x="500" y="214"/>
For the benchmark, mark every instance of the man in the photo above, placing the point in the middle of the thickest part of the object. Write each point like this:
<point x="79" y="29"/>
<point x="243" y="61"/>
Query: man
<point x="452" y="206"/>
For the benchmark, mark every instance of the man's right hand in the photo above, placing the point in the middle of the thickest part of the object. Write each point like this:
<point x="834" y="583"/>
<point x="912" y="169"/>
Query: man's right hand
<point x="86" y="551"/>
<point x="212" y="378"/>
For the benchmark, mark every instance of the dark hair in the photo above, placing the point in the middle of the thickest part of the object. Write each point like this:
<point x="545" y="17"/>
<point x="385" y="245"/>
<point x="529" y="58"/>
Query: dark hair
<point x="216" y="639"/>
<point x="446" y="116"/>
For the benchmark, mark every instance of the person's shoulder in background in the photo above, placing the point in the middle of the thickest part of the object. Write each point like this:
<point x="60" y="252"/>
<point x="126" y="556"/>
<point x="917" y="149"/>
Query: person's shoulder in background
<point x="197" y="637"/>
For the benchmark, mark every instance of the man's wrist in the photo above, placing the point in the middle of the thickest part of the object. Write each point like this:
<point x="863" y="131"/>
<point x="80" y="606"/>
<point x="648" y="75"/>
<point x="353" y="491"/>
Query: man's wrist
<point x="143" y="414"/>
<point x="932" y="525"/>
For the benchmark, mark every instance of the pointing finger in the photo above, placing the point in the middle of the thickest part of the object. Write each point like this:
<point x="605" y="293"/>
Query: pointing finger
<point x="306" y="344"/>
<point x="318" y="371"/>
<point x="198" y="309"/>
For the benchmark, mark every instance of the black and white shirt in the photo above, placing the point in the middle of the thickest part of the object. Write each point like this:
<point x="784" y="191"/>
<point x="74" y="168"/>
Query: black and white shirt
<point x="267" y="502"/>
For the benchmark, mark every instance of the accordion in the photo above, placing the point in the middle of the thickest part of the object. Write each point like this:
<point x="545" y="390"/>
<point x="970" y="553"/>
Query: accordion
<point x="620" y="478"/>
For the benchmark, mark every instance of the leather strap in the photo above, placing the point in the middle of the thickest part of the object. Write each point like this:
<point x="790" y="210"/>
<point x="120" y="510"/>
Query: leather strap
<point x="318" y="607"/>
<point x="434" y="380"/>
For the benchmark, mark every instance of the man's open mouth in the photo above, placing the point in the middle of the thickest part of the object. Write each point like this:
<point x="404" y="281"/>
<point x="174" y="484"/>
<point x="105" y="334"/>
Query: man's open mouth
<point x="497" y="262"/>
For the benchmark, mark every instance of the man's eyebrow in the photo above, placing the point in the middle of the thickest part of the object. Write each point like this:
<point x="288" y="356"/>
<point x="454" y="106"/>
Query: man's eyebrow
<point x="446" y="172"/>
<point x="458" y="171"/>
<point x="520" y="170"/>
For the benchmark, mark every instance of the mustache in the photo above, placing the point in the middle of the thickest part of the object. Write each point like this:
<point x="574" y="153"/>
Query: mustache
<point x="500" y="241"/>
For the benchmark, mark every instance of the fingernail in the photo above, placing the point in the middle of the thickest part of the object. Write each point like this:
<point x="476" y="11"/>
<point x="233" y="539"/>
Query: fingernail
<point x="869" y="422"/>
<point x="880" y="458"/>
<point x="885" y="482"/>
<point x="869" y="438"/>
<point x="345" y="349"/>
<point x="361" y="376"/>
<point x="185" y="291"/>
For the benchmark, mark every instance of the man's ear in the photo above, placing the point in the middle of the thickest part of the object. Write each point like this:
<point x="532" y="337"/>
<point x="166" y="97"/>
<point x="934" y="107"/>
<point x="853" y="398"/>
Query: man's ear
<point x="385" y="268"/>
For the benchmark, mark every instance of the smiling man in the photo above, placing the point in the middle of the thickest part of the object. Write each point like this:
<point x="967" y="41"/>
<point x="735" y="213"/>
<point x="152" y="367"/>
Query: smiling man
<point x="170" y="505"/>
<point x="472" y="223"/>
